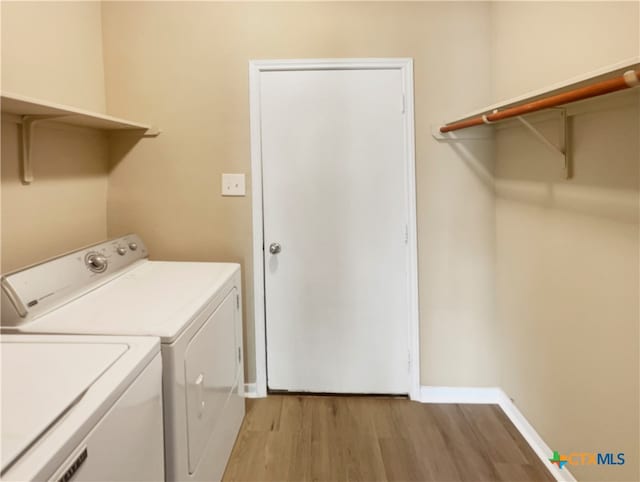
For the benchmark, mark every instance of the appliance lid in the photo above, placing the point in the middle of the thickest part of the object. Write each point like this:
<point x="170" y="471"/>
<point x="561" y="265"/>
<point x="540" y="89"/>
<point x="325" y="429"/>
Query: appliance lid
<point x="41" y="381"/>
<point x="154" y="298"/>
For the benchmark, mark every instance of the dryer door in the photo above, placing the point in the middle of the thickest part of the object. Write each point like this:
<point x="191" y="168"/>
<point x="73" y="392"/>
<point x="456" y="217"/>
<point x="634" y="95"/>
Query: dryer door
<point x="210" y="373"/>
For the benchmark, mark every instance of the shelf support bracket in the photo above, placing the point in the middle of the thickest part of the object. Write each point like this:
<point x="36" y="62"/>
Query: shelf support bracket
<point x="563" y="135"/>
<point x="153" y="131"/>
<point x="27" y="123"/>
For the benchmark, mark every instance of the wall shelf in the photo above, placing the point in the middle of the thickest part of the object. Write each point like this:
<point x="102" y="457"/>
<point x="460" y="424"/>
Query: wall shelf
<point x="29" y="111"/>
<point x="21" y="105"/>
<point x="603" y="74"/>
<point x="613" y="78"/>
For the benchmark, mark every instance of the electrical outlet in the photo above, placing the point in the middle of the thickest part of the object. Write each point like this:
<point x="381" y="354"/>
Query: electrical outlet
<point x="233" y="185"/>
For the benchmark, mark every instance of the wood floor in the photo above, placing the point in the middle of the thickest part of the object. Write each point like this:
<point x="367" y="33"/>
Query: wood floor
<point x="322" y="438"/>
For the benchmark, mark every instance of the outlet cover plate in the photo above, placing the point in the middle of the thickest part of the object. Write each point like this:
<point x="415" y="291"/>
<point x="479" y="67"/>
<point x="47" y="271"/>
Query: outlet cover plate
<point x="233" y="185"/>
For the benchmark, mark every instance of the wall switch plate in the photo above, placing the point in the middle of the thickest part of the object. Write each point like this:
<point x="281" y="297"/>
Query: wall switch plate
<point x="233" y="185"/>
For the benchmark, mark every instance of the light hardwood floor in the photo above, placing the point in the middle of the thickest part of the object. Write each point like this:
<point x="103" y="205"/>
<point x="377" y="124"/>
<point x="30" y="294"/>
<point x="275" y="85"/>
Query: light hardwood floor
<point x="324" y="438"/>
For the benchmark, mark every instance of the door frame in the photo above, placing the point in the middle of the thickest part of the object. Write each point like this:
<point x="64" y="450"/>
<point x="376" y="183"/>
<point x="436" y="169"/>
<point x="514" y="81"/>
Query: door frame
<point x="256" y="67"/>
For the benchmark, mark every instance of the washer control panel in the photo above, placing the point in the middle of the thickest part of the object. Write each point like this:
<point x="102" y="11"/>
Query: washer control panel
<point x="34" y="290"/>
<point x="117" y="253"/>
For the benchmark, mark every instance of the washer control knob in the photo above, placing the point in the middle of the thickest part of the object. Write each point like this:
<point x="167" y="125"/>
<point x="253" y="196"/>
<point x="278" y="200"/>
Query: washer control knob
<point x="96" y="262"/>
<point x="133" y="246"/>
<point x="121" y="250"/>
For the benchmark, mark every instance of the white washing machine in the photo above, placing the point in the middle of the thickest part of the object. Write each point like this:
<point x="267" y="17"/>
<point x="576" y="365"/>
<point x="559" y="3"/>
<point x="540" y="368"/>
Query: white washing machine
<point x="194" y="307"/>
<point x="81" y="408"/>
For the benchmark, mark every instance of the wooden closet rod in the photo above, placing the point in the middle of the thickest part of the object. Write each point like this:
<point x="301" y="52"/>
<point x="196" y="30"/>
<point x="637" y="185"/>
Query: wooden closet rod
<point x="629" y="79"/>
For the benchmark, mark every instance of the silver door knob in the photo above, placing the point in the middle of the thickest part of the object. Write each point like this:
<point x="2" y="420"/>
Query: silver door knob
<point x="275" y="248"/>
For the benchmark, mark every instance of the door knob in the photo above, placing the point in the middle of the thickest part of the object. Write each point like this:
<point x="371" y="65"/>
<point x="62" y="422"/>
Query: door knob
<point x="275" y="248"/>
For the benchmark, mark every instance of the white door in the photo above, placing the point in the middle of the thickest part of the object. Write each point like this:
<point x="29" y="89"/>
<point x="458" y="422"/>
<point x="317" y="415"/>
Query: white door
<point x="335" y="230"/>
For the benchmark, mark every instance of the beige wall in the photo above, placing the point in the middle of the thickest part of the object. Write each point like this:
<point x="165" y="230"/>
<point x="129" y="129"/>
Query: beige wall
<point x="567" y="250"/>
<point x="535" y="44"/>
<point x="184" y="66"/>
<point x="65" y="207"/>
<point x="53" y="51"/>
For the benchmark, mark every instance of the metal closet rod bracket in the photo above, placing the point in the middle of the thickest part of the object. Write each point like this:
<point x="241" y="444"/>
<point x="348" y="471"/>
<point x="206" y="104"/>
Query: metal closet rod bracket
<point x="27" y="123"/>
<point x="563" y="135"/>
<point x="480" y="133"/>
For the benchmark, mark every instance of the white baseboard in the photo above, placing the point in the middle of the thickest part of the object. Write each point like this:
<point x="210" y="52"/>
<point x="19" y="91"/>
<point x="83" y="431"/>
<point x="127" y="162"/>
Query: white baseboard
<point x="250" y="390"/>
<point x="497" y="396"/>
<point x="460" y="395"/>
<point x="532" y="437"/>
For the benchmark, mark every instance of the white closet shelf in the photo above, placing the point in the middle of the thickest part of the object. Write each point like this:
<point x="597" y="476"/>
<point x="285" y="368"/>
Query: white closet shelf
<point x="30" y="111"/>
<point x="606" y="73"/>
<point x="27" y="106"/>
<point x="610" y="79"/>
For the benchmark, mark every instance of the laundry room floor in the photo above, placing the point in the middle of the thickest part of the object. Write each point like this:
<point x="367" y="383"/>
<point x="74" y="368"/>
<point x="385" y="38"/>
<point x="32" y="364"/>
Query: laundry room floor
<point x="326" y="438"/>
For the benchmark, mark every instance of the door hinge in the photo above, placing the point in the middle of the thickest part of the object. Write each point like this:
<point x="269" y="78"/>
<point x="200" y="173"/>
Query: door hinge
<point x="409" y="362"/>
<point x="238" y="302"/>
<point x="406" y="234"/>
<point x="404" y="103"/>
<point x="239" y="355"/>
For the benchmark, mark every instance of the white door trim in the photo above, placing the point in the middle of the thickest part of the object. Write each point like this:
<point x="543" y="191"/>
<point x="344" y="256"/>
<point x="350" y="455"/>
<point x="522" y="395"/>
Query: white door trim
<point x="405" y="65"/>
